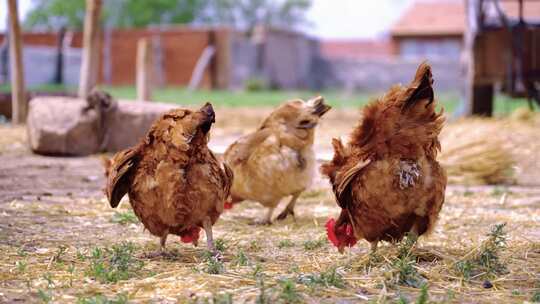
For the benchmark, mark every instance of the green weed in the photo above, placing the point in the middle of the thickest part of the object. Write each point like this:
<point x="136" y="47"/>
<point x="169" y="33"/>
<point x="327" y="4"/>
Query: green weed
<point x="110" y="265"/>
<point x="314" y="244"/>
<point x="101" y="299"/>
<point x="213" y="264"/>
<point x="124" y="218"/>
<point x="288" y="292"/>
<point x="328" y="278"/>
<point x="44" y="296"/>
<point x="240" y="259"/>
<point x="487" y="260"/>
<point x="220" y="245"/>
<point x="285" y="244"/>
<point x="21" y="266"/>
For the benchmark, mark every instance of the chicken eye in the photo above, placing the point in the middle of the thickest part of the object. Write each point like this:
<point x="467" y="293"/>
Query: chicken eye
<point x="305" y="122"/>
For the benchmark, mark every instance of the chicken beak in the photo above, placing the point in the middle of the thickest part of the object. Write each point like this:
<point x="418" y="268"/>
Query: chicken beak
<point x="319" y="107"/>
<point x="208" y="110"/>
<point x="341" y="249"/>
<point x="209" y="117"/>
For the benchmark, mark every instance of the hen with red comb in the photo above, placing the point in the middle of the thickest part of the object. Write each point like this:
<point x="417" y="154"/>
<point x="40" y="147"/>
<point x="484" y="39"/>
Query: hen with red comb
<point x="175" y="184"/>
<point x="387" y="180"/>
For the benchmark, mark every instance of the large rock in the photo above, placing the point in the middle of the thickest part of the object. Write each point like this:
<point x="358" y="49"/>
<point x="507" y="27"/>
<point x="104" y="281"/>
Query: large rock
<point x="130" y="122"/>
<point x="66" y="126"/>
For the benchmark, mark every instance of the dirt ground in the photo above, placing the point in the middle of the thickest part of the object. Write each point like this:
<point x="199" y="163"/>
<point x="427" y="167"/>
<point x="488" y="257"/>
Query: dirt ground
<point x="61" y="242"/>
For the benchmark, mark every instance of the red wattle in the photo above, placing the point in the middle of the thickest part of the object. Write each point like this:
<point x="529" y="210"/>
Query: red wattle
<point x="191" y="235"/>
<point x="350" y="239"/>
<point x="331" y="234"/>
<point x="227" y="205"/>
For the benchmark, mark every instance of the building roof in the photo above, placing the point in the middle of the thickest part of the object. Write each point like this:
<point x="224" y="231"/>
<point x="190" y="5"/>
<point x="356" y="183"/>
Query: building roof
<point x="356" y="48"/>
<point x="531" y="9"/>
<point x="447" y="17"/>
<point x="424" y="18"/>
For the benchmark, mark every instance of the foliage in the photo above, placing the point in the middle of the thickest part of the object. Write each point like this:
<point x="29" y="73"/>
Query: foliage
<point x="241" y="259"/>
<point x="101" y="299"/>
<point x="536" y="297"/>
<point x="110" y="265"/>
<point x="21" y="266"/>
<point x="314" y="244"/>
<point x="328" y="278"/>
<point x="404" y="266"/>
<point x="486" y="260"/>
<point x="247" y="14"/>
<point x="423" y="297"/>
<point x="213" y="264"/>
<point x="220" y="244"/>
<point x="286" y="243"/>
<point x="288" y="292"/>
<point x="54" y="14"/>
<point x="242" y="14"/>
<point x="137" y="13"/>
<point x="44" y="296"/>
<point x="124" y="218"/>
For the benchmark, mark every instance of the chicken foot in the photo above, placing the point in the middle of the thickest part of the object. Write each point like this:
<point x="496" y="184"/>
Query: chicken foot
<point x="162" y="251"/>
<point x="267" y="220"/>
<point x="162" y="241"/>
<point x="207" y="225"/>
<point x="290" y="208"/>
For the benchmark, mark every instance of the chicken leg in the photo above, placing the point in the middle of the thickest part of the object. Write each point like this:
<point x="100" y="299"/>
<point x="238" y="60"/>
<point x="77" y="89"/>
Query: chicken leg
<point x="207" y="225"/>
<point x="290" y="207"/>
<point x="162" y="241"/>
<point x="267" y="220"/>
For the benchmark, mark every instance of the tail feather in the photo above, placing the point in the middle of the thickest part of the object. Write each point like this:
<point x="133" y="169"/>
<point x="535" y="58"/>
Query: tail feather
<point x="329" y="169"/>
<point x="420" y="88"/>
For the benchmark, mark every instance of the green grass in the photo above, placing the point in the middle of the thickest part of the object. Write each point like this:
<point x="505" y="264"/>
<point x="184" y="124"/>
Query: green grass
<point x="101" y="299"/>
<point x="124" y="218"/>
<point x="110" y="265"/>
<point x="326" y="279"/>
<point x="270" y="98"/>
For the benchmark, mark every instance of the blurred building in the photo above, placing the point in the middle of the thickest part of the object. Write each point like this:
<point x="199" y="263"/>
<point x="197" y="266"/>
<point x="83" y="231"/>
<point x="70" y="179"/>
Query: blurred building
<point x="430" y="30"/>
<point x="357" y="48"/>
<point x="283" y="59"/>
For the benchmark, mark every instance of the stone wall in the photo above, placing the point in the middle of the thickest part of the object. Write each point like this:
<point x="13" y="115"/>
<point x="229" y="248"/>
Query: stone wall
<point x="379" y="74"/>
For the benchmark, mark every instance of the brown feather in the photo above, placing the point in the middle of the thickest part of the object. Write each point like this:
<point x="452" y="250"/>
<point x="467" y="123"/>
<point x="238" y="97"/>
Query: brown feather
<point x="387" y="178"/>
<point x="174" y="182"/>
<point x="277" y="159"/>
<point x="118" y="171"/>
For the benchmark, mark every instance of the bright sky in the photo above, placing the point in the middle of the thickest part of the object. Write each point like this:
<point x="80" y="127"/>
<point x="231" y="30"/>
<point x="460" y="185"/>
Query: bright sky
<point x="348" y="19"/>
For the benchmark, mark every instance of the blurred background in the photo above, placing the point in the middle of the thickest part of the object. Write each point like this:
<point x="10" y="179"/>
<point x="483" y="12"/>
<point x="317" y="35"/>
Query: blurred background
<point x="62" y="243"/>
<point x="251" y="53"/>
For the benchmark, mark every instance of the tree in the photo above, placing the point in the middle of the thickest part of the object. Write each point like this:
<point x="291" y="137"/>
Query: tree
<point x="55" y="14"/>
<point x="141" y="13"/>
<point x="246" y="14"/>
<point x="240" y="14"/>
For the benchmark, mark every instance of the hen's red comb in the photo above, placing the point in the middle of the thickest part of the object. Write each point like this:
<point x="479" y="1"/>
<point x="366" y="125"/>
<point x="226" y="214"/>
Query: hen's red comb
<point x="191" y="235"/>
<point x="330" y="232"/>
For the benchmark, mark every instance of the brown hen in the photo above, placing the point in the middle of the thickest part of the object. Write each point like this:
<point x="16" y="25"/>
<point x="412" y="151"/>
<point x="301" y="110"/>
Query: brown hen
<point x="277" y="160"/>
<point x="174" y="182"/>
<point x="387" y="179"/>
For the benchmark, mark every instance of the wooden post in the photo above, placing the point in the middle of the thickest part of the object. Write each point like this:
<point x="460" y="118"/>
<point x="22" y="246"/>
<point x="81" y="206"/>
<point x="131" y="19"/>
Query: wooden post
<point x="144" y="70"/>
<point x="223" y="39"/>
<point x="479" y="91"/>
<point x="88" y="77"/>
<point x="18" y="96"/>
